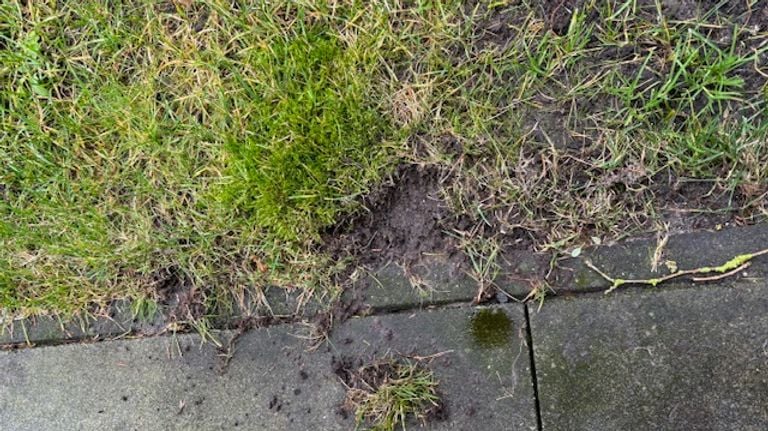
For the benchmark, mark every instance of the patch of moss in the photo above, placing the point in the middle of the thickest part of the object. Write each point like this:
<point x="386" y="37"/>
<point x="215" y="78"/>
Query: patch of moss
<point x="491" y="328"/>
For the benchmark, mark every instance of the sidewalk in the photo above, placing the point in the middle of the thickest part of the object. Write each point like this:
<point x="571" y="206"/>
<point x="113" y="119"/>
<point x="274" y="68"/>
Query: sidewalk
<point x="681" y="356"/>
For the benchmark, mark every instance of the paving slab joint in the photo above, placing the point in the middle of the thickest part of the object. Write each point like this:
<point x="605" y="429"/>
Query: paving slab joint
<point x="534" y="381"/>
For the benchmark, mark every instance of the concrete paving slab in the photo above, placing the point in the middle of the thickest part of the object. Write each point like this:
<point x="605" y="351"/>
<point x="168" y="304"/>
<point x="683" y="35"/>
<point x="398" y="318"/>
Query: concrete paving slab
<point x="171" y="383"/>
<point x="271" y="301"/>
<point x="270" y="381"/>
<point x="481" y="360"/>
<point x="662" y="359"/>
<point x="118" y="320"/>
<point x="632" y="259"/>
<point x="440" y="281"/>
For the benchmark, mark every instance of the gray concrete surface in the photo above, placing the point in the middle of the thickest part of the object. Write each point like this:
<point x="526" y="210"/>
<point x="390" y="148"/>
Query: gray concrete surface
<point x="439" y="281"/>
<point x="655" y="359"/>
<point x="480" y="358"/>
<point x="170" y="383"/>
<point x="632" y="259"/>
<point x="117" y="321"/>
<point x="271" y="381"/>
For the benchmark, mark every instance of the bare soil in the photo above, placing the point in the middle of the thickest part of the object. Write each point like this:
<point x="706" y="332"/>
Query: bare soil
<point x="405" y="219"/>
<point x="178" y="295"/>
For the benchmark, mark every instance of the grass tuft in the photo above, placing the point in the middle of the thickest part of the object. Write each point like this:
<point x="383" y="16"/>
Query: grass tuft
<point x="386" y="394"/>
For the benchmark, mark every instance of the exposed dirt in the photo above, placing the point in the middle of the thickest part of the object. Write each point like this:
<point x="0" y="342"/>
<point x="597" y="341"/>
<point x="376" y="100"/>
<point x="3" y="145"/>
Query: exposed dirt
<point x="178" y="295"/>
<point x="694" y="205"/>
<point x="401" y="221"/>
<point x="557" y="14"/>
<point x="322" y="323"/>
<point x="185" y="12"/>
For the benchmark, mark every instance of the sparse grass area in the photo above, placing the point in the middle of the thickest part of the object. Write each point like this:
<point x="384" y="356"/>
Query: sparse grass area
<point x="215" y="141"/>
<point x="607" y="116"/>
<point x="386" y="394"/>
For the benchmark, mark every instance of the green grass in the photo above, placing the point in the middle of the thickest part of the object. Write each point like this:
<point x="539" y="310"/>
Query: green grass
<point x="217" y="142"/>
<point x="313" y="141"/>
<point x="389" y="393"/>
<point x="140" y="137"/>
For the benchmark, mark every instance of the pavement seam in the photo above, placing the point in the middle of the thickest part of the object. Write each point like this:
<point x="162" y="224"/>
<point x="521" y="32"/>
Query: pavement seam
<point x="534" y="379"/>
<point x="373" y="311"/>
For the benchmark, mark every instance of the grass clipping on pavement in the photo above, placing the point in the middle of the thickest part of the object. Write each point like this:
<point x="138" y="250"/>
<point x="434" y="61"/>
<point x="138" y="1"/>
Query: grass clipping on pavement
<point x="387" y="393"/>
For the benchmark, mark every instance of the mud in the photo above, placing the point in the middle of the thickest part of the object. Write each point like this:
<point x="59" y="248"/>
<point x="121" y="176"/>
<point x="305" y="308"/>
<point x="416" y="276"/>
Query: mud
<point x="181" y="300"/>
<point x="402" y="221"/>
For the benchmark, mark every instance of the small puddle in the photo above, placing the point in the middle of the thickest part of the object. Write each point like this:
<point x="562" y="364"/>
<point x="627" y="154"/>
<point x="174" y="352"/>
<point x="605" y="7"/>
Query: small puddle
<point x="490" y="327"/>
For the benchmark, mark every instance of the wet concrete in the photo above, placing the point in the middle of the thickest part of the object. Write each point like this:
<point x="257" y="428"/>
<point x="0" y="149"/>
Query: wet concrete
<point x="480" y="357"/>
<point x="269" y="378"/>
<point x="668" y="358"/>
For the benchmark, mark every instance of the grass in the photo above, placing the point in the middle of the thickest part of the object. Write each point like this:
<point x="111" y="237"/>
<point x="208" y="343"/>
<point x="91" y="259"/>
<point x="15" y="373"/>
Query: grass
<point x="217" y="142"/>
<point x="313" y="141"/>
<point x="142" y="139"/>
<point x="386" y="394"/>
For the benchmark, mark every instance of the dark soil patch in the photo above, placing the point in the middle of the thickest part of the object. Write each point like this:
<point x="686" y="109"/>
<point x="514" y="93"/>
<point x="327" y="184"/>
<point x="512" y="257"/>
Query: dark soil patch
<point x="494" y="28"/>
<point x="185" y="12"/>
<point x="322" y="322"/>
<point x="181" y="299"/>
<point x="557" y="14"/>
<point x="401" y="221"/>
<point x="693" y="205"/>
<point x="355" y="373"/>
